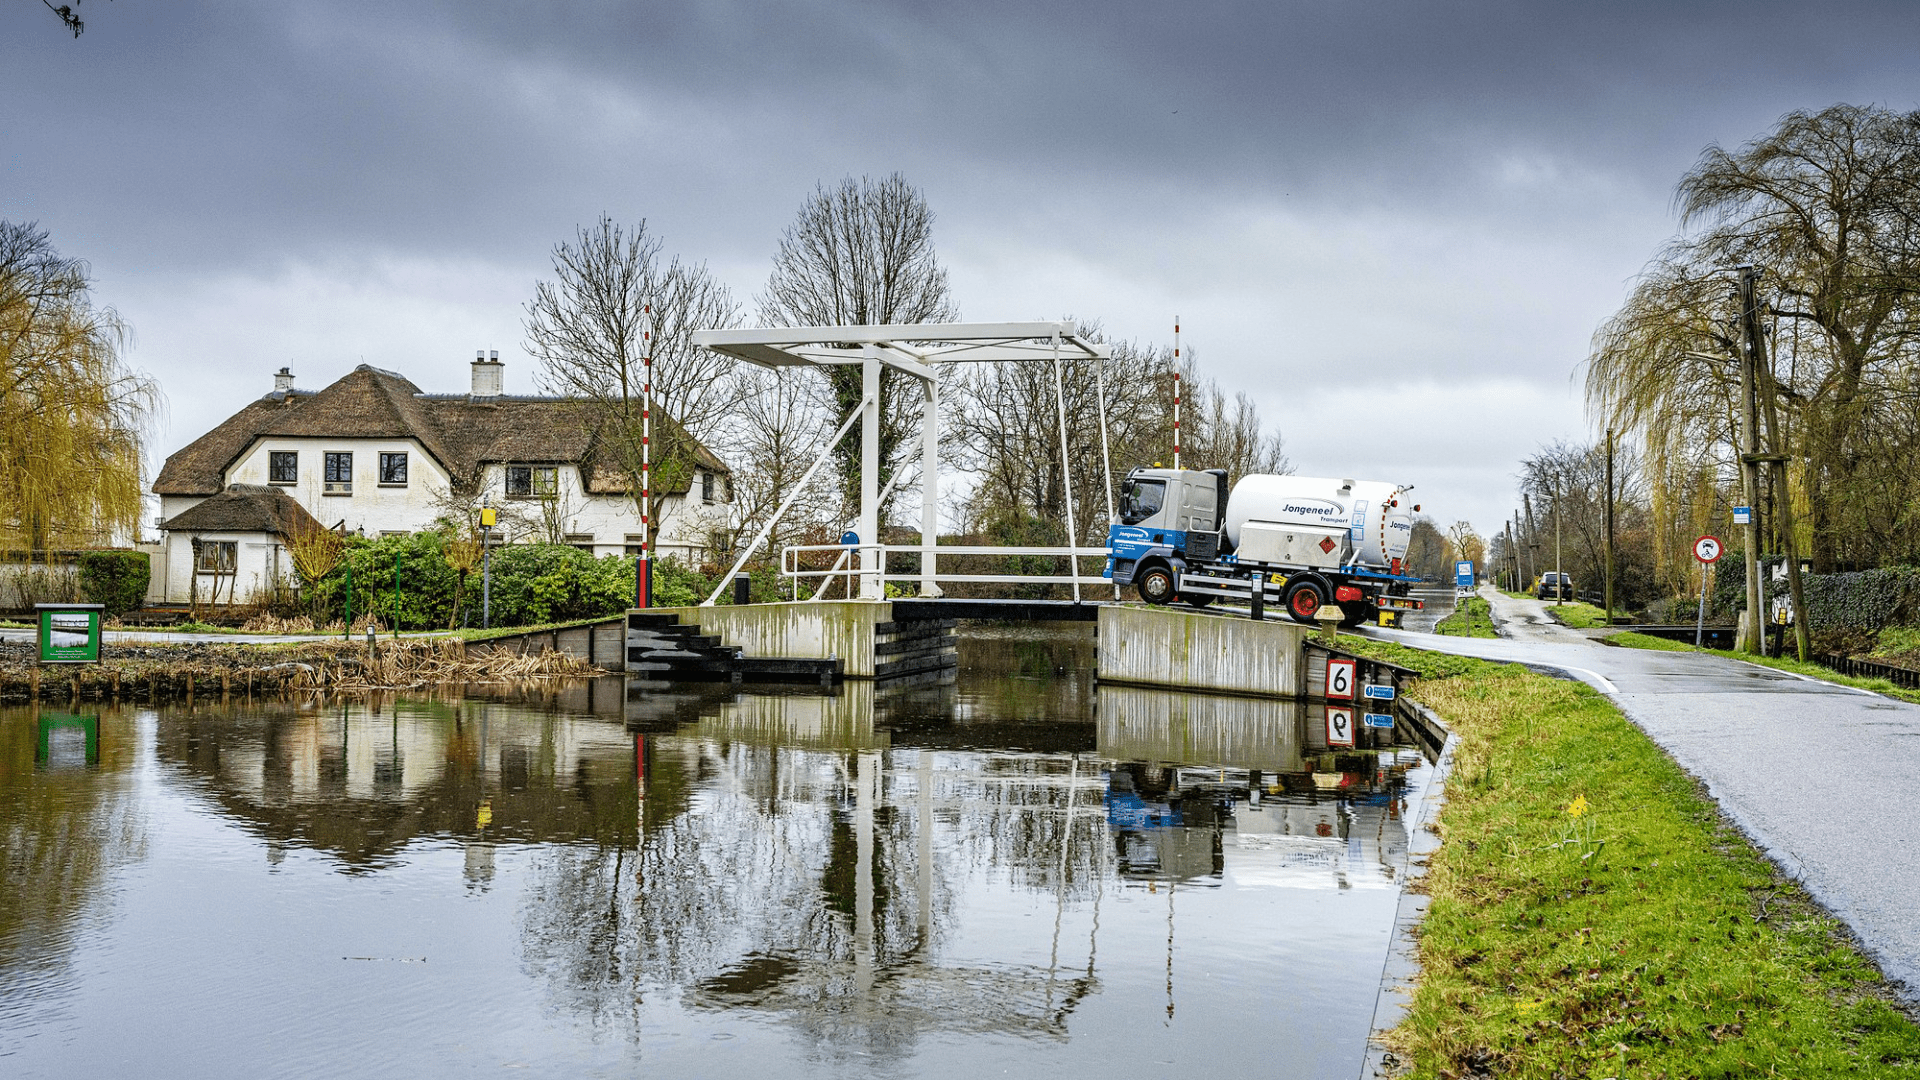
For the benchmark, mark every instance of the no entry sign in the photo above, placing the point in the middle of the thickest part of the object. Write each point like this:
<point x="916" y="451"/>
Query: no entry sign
<point x="1708" y="549"/>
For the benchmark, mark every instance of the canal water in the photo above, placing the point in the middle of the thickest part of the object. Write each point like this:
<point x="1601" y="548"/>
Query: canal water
<point x="1016" y="872"/>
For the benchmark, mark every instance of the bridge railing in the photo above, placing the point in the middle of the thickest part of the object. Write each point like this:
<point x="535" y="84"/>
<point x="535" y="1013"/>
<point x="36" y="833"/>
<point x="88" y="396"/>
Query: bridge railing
<point x="849" y="568"/>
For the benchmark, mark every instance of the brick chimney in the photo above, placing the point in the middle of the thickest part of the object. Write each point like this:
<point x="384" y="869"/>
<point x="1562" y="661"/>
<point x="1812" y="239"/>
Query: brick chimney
<point x="486" y="374"/>
<point x="283" y="380"/>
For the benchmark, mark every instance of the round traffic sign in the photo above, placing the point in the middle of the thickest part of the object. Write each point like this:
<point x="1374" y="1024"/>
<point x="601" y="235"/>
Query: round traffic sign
<point x="1708" y="549"/>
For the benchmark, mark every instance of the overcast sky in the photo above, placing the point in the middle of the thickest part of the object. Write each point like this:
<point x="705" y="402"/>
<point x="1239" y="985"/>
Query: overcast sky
<point x="1396" y="225"/>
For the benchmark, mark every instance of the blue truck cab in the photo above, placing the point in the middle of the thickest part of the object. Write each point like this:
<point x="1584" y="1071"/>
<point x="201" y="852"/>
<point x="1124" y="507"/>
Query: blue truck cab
<point x="1169" y="518"/>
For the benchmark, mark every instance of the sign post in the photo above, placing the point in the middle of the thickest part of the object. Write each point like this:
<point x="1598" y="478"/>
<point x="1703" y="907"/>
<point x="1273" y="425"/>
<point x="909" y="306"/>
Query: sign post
<point x="1708" y="550"/>
<point x="1463" y="576"/>
<point x="68" y="633"/>
<point x="489" y="517"/>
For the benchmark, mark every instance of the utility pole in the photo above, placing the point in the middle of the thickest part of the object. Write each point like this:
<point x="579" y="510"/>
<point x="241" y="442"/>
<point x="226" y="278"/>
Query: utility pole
<point x="1609" y="551"/>
<point x="1783" y="492"/>
<point x="1513" y="560"/>
<point x="1559" y="578"/>
<point x="1532" y="541"/>
<point x="1753" y="636"/>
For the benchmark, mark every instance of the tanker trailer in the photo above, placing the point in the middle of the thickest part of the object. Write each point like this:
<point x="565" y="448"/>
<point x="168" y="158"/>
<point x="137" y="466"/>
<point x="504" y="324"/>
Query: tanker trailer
<point x="1304" y="542"/>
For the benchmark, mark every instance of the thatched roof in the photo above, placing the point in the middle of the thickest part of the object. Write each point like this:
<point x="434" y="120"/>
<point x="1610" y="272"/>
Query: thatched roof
<point x="245" y="508"/>
<point x="462" y="433"/>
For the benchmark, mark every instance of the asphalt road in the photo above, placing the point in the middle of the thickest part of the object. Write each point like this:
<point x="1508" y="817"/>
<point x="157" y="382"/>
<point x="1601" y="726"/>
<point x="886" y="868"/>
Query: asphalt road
<point x="1823" y="777"/>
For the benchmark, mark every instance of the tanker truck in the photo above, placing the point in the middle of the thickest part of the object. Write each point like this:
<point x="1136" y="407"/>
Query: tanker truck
<point x="1303" y="542"/>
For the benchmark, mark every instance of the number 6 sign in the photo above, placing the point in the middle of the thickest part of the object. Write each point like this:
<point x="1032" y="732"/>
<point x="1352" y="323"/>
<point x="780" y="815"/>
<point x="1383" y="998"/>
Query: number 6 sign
<point x="1708" y="549"/>
<point x="1340" y="679"/>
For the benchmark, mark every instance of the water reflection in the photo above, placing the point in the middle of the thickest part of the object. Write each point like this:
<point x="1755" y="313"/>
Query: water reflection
<point x="66" y="823"/>
<point x="979" y="865"/>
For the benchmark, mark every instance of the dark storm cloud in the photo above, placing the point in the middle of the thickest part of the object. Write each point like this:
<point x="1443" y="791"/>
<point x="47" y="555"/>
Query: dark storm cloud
<point x="1432" y="194"/>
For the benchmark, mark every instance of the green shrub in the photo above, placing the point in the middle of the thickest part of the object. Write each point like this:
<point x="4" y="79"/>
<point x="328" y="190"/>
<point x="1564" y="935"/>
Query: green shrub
<point x="115" y="579"/>
<point x="1867" y="600"/>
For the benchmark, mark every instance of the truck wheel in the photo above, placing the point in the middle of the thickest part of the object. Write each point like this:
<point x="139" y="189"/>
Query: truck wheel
<point x="1198" y="600"/>
<point x="1156" y="585"/>
<point x="1352" y="615"/>
<point x="1304" y="600"/>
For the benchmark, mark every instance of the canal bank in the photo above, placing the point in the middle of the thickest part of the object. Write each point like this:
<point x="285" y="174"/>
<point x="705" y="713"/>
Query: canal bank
<point x="1594" y="913"/>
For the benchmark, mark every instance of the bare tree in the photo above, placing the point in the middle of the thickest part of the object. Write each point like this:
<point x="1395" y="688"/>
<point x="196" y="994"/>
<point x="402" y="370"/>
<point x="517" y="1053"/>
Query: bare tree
<point x="589" y="330"/>
<point x="861" y="253"/>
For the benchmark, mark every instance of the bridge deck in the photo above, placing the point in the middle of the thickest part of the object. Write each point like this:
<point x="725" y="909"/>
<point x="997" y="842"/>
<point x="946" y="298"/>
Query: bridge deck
<point x="1020" y="610"/>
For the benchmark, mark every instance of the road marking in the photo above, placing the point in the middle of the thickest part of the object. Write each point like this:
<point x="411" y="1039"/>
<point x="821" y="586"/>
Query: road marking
<point x="1606" y="685"/>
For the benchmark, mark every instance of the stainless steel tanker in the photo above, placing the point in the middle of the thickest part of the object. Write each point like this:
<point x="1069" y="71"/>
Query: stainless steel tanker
<point x="1305" y="542"/>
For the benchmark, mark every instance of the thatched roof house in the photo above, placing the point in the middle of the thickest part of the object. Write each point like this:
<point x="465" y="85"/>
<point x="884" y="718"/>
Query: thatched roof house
<point x="373" y="453"/>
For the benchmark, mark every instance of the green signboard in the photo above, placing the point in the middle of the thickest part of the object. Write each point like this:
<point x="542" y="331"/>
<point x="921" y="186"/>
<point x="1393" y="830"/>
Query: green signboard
<point x="69" y="633"/>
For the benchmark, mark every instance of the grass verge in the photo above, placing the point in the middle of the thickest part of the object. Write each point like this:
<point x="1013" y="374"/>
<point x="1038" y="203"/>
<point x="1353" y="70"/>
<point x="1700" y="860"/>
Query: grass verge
<point x="1594" y="915"/>
<point x="1471" y="618"/>
<point x="1577" y="614"/>
<point x="1813" y="671"/>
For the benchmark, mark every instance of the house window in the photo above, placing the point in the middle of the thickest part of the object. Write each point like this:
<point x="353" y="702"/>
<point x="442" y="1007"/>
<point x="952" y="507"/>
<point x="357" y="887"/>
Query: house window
<point x="283" y="467"/>
<point x="583" y="541"/>
<point x="636" y="544"/>
<point x="339" y="473"/>
<point x="706" y="487"/>
<point x="215" y="556"/>
<point x="393" y="469"/>
<point x="532" y="481"/>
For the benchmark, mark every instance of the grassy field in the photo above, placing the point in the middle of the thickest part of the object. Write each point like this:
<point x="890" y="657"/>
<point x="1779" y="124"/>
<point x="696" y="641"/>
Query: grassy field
<point x="1814" y="671"/>
<point x="1593" y="915"/>
<point x="1471" y="618"/>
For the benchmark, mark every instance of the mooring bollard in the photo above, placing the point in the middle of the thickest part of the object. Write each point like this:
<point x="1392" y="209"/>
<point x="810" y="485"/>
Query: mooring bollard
<point x="1329" y="617"/>
<point x="742" y="589"/>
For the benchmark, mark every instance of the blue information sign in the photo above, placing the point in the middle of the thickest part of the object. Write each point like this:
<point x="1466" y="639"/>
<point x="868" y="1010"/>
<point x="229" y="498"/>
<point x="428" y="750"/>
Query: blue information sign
<point x="1380" y="693"/>
<point x="1379" y="720"/>
<point x="1463" y="574"/>
<point x="1743" y="515"/>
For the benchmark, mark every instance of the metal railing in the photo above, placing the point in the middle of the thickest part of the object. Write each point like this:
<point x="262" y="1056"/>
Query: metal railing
<point x="873" y="557"/>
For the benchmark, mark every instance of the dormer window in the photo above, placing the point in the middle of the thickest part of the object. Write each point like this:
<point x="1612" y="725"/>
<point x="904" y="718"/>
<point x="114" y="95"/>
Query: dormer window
<point x="532" y="481"/>
<point x="339" y="473"/>
<point x="706" y="487"/>
<point x="393" y="470"/>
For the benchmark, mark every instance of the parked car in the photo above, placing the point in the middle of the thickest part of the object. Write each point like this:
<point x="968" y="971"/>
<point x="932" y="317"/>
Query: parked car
<point x="1554" y="586"/>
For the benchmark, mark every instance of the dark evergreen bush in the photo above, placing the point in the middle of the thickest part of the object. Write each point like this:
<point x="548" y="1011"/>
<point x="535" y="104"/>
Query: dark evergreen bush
<point x="115" y="579"/>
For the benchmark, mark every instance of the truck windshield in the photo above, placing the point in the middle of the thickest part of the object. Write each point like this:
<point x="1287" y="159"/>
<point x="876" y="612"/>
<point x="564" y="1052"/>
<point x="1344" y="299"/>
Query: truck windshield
<point x="1141" y="499"/>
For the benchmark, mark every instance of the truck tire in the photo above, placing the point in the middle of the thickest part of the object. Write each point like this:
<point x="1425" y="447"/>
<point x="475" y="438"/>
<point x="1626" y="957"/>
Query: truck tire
<point x="1156" y="584"/>
<point x="1198" y="600"/>
<point x="1352" y="615"/>
<point x="1304" y="601"/>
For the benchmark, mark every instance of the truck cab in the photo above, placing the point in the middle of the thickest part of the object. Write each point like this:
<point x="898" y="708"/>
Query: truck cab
<point x="1168" y="518"/>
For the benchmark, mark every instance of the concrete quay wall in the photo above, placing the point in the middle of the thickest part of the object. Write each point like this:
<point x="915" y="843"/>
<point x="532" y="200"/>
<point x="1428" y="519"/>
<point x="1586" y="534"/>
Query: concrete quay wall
<point x="1190" y="650"/>
<point x="863" y="634"/>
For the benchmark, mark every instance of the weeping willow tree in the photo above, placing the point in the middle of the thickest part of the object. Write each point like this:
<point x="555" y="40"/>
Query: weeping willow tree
<point x="73" y="417"/>
<point x="1827" y="205"/>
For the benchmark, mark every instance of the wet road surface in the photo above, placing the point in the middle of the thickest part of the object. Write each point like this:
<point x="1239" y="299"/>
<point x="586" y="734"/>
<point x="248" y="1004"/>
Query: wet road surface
<point x="1823" y="777"/>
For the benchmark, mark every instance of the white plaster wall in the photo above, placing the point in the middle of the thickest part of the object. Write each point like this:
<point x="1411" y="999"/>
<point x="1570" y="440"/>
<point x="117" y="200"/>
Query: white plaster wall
<point x="372" y="508"/>
<point x="610" y="518"/>
<point x="259" y="557"/>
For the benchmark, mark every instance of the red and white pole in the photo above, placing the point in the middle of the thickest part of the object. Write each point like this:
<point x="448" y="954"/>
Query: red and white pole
<point x="646" y="459"/>
<point x="1176" y="391"/>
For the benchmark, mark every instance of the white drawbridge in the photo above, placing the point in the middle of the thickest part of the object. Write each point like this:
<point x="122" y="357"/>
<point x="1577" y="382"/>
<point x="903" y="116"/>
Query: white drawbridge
<point x="921" y="351"/>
